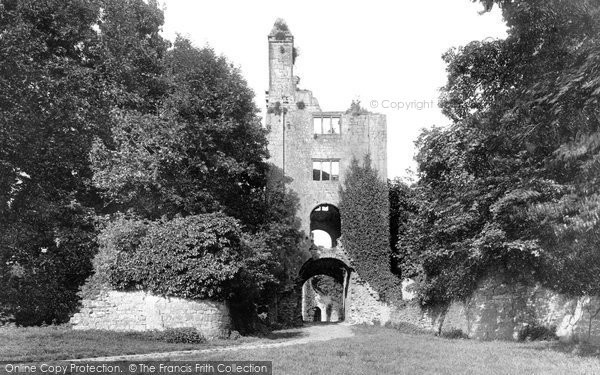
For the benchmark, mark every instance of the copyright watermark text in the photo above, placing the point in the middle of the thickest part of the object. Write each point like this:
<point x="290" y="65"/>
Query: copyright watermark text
<point x="402" y="105"/>
<point x="139" y="367"/>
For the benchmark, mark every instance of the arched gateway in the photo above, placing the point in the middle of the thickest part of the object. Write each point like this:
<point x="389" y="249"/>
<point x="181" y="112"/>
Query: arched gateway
<point x="325" y="276"/>
<point x="330" y="299"/>
<point x="328" y="282"/>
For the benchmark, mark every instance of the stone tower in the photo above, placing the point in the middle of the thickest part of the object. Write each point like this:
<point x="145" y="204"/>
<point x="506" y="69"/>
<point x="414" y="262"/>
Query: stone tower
<point x="314" y="148"/>
<point x="281" y="63"/>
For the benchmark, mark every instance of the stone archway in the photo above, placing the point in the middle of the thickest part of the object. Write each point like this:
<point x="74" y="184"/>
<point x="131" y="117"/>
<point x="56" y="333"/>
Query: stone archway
<point x="325" y="218"/>
<point x="358" y="302"/>
<point x="332" y="306"/>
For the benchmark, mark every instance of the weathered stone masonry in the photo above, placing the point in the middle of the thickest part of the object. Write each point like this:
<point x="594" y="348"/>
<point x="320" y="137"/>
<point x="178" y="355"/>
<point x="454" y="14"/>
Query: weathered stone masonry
<point x="501" y="309"/>
<point x="141" y="311"/>
<point x="296" y="142"/>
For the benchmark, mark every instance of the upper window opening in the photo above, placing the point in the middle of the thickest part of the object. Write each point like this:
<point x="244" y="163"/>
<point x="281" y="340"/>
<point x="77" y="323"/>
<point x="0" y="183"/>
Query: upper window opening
<point x="327" y="125"/>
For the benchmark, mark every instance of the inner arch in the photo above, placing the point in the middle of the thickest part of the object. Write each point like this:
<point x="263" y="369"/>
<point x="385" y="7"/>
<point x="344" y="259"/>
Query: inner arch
<point x="325" y="218"/>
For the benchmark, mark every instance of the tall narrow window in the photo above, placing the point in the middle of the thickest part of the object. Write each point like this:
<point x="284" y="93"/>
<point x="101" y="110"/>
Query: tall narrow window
<point x="317" y="125"/>
<point x="335" y="125"/>
<point x="326" y="174"/>
<point x="326" y="125"/>
<point x="316" y="170"/>
<point x="335" y="170"/>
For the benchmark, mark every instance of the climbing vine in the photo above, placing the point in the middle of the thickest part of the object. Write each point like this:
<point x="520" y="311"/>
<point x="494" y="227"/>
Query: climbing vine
<point x="364" y="211"/>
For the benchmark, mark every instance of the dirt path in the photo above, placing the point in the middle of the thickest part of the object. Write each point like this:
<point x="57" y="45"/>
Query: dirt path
<point x="304" y="335"/>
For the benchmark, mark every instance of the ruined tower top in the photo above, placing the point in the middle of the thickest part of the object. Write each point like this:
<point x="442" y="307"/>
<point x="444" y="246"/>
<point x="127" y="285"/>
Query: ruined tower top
<point x="282" y="86"/>
<point x="280" y="30"/>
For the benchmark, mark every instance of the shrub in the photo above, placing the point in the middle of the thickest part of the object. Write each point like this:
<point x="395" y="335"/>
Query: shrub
<point x="537" y="333"/>
<point x="356" y="109"/>
<point x="454" y="333"/>
<point x="120" y="237"/>
<point x="195" y="257"/>
<point x="276" y="109"/>
<point x="185" y="335"/>
<point x="280" y="29"/>
<point x="408" y="328"/>
<point x="300" y="105"/>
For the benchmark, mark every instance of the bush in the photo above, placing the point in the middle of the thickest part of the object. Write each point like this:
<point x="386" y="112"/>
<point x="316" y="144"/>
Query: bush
<point x="407" y="328"/>
<point x="300" y="105"/>
<point x="276" y="109"/>
<point x="537" y="333"/>
<point x="120" y="237"/>
<point x="195" y="257"/>
<point x="454" y="333"/>
<point x="186" y="335"/>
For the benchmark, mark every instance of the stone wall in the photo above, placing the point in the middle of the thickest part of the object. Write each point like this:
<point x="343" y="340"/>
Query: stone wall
<point x="363" y="304"/>
<point x="141" y="311"/>
<point x="501" y="310"/>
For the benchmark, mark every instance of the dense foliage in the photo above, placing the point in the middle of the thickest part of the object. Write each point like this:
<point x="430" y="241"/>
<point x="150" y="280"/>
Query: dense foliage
<point x="401" y="206"/>
<point x="108" y="134"/>
<point x="63" y="65"/>
<point x="364" y="211"/>
<point x="201" y="152"/>
<point x="512" y="184"/>
<point x="196" y="257"/>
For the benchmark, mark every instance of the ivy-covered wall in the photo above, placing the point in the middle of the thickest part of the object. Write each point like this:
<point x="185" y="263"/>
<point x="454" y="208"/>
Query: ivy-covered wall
<point x="364" y="209"/>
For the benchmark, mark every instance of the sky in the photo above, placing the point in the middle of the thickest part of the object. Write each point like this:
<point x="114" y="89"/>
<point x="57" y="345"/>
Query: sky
<point x="387" y="54"/>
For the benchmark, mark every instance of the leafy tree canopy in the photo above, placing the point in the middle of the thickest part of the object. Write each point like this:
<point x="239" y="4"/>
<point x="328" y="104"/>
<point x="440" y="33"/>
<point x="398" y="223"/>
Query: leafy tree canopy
<point x="60" y="78"/>
<point x="509" y="185"/>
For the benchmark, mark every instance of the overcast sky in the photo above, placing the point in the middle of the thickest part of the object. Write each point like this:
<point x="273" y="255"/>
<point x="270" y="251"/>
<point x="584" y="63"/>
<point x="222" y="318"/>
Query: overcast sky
<point x="381" y="52"/>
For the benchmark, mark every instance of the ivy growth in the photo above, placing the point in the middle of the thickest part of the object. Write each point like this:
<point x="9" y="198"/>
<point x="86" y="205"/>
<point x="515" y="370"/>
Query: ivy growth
<point x="364" y="210"/>
<point x="276" y="109"/>
<point x="280" y="29"/>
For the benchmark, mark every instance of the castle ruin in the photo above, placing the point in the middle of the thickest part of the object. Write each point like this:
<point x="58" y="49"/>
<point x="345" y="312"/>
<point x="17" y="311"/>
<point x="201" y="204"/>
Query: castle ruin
<point x="313" y="148"/>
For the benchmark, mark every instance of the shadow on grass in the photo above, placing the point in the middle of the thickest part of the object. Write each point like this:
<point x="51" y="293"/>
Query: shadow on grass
<point x="283" y="335"/>
<point x="295" y="332"/>
<point x="310" y="324"/>
<point x="580" y="349"/>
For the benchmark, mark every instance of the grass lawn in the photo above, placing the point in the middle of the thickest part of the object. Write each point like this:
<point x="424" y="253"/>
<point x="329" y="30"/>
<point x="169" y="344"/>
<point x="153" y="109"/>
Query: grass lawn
<point x="377" y="350"/>
<point x="61" y="342"/>
<point x="373" y="350"/>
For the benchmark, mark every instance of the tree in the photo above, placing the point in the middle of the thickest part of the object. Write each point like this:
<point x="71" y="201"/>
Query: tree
<point x="401" y="206"/>
<point x="202" y="153"/>
<point x="364" y="211"/>
<point x="507" y="185"/>
<point x="57" y="91"/>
